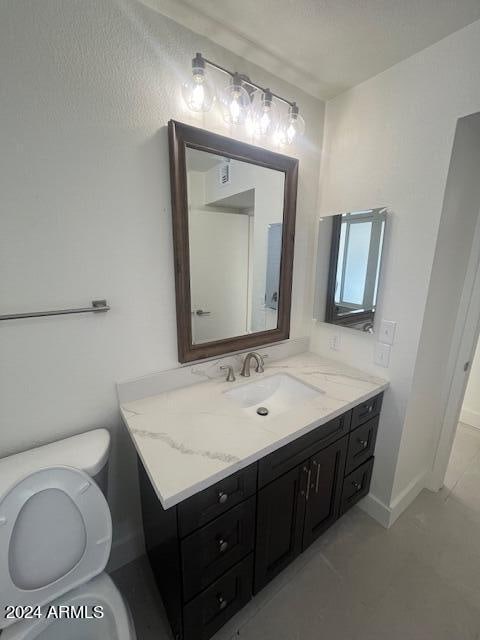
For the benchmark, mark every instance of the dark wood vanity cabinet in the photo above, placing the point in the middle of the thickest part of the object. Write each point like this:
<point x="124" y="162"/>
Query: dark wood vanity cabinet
<point x="280" y="518"/>
<point x="295" y="509"/>
<point x="325" y="477"/>
<point x="213" y="551"/>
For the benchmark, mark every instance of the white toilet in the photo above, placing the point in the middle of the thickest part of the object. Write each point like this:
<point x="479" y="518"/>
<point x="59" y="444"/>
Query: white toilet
<point x="55" y="540"/>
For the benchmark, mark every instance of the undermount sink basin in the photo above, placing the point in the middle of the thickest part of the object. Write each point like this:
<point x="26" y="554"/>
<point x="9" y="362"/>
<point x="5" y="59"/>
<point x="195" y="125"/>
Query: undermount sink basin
<point x="276" y="393"/>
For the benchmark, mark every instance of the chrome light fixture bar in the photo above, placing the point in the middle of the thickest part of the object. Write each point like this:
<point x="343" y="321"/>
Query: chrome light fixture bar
<point x="243" y="102"/>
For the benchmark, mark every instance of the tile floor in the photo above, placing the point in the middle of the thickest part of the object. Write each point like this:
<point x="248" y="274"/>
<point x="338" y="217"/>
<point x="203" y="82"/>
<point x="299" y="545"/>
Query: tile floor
<point x="420" y="580"/>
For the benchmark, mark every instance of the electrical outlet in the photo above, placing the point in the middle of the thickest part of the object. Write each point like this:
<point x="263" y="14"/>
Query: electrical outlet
<point x="335" y="342"/>
<point x="382" y="354"/>
<point x="387" y="331"/>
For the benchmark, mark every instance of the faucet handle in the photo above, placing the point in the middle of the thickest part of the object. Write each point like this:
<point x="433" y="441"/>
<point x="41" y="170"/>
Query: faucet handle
<point x="260" y="368"/>
<point x="230" y="374"/>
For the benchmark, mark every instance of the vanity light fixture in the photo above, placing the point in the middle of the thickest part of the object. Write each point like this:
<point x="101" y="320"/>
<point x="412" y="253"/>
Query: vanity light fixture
<point x="235" y="101"/>
<point x="263" y="113"/>
<point x="295" y="125"/>
<point x="198" y="92"/>
<point x="264" y="117"/>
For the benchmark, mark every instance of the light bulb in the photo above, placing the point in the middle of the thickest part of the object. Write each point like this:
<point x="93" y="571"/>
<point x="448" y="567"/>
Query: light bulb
<point x="279" y="136"/>
<point x="236" y="104"/>
<point x="294" y="126"/>
<point x="263" y="119"/>
<point x="198" y="92"/>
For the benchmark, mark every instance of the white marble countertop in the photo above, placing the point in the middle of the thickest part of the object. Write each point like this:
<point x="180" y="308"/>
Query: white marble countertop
<point x="192" y="437"/>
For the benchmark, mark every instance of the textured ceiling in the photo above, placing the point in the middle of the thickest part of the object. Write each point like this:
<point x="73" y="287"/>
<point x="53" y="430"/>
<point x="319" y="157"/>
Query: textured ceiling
<point x="322" y="46"/>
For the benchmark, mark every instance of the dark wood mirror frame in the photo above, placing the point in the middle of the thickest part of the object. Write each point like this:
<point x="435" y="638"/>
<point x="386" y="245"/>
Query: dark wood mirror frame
<point x="182" y="136"/>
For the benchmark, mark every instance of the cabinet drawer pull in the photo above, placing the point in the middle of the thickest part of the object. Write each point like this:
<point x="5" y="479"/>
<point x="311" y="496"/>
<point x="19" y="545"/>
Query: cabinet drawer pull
<point x="317" y="481"/>
<point x="222" y="497"/>
<point x="356" y="485"/>
<point x="222" y="545"/>
<point x="222" y="603"/>
<point x="363" y="443"/>
<point x="309" y="475"/>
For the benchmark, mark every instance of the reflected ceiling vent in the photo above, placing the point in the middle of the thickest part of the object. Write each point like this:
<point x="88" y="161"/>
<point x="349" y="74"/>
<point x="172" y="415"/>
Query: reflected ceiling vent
<point x="224" y="174"/>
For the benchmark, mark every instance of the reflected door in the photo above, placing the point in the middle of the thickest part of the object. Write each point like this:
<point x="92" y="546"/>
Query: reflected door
<point x="235" y="242"/>
<point x="219" y="274"/>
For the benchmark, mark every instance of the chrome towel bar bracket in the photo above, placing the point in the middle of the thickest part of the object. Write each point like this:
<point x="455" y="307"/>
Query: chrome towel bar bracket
<point x="97" y="306"/>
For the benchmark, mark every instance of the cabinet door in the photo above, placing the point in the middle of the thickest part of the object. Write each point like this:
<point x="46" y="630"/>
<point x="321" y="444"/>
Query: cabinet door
<point x="280" y="516"/>
<point x="324" y="488"/>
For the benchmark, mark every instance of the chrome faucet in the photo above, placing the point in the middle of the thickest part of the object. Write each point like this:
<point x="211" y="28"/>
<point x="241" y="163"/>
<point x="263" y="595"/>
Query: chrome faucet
<point x="246" y="364"/>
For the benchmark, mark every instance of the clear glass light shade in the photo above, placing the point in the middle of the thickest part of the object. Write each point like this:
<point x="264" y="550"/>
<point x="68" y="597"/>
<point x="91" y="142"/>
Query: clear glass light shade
<point x="262" y="120"/>
<point x="198" y="92"/>
<point x="293" y="128"/>
<point x="235" y="103"/>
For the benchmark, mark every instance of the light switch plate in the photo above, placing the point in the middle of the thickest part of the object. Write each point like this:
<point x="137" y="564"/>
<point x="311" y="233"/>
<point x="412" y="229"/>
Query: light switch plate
<point x="382" y="354"/>
<point x="387" y="331"/>
<point x="335" y="342"/>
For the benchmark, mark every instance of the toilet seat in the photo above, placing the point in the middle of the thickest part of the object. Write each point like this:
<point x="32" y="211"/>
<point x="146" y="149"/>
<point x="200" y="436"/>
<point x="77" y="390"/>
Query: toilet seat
<point x="55" y="534"/>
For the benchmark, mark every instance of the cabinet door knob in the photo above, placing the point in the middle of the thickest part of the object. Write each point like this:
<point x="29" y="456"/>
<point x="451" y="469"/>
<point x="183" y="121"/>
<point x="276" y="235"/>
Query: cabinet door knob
<point x="356" y="485"/>
<point x="363" y="443"/>
<point x="222" y="497"/>
<point x="222" y="603"/>
<point x="222" y="545"/>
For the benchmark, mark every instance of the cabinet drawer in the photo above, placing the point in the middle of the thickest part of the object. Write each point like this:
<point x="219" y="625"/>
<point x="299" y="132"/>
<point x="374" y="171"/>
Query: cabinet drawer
<point x="212" y="502"/>
<point x="216" y="547"/>
<point x="356" y="485"/>
<point x="368" y="409"/>
<point x="361" y="444"/>
<point x="293" y="454"/>
<point x="210" y="610"/>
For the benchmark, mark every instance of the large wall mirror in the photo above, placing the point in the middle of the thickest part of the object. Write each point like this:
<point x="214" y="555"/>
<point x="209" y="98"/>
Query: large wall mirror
<point x="354" y="273"/>
<point x="233" y="209"/>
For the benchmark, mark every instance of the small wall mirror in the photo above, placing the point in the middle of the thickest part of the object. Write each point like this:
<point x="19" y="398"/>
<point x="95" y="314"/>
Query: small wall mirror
<point x="233" y="221"/>
<point x="354" y="272"/>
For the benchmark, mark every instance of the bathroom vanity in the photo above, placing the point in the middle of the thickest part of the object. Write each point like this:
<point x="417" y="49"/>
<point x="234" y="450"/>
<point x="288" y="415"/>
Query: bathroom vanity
<point x="215" y="538"/>
<point x="238" y="477"/>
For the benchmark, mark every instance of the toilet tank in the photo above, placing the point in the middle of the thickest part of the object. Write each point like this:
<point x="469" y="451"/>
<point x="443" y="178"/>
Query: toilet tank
<point x="87" y="451"/>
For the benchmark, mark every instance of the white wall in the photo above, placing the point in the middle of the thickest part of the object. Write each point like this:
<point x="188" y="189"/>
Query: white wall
<point x="388" y="142"/>
<point x="471" y="403"/>
<point x="432" y="375"/>
<point x="86" y="91"/>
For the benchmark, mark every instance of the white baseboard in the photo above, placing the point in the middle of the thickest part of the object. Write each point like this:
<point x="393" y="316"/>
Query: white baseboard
<point x="386" y="515"/>
<point x="126" y="549"/>
<point x="407" y="496"/>
<point x="376" y="509"/>
<point x="471" y="418"/>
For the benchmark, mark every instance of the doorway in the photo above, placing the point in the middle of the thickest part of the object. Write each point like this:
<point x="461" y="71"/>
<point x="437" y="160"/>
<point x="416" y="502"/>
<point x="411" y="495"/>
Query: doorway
<point x="456" y="400"/>
<point x="462" y="477"/>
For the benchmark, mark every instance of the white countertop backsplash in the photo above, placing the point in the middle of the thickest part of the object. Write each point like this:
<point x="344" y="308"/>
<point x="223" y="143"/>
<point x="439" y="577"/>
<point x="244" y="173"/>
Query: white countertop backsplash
<point x="191" y="437"/>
